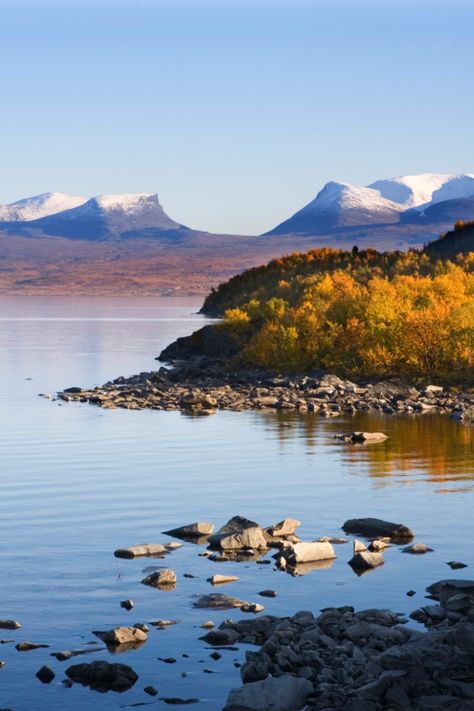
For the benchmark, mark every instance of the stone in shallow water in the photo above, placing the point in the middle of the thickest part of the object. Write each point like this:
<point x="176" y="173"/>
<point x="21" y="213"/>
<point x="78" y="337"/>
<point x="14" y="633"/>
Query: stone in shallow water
<point x="417" y="549"/>
<point x="122" y="635"/>
<point x="365" y="560"/>
<point x="161" y="579"/>
<point x="283" y="693"/>
<point x="220" y="579"/>
<point x="45" y="675"/>
<point x="456" y="565"/>
<point x="192" y="530"/>
<point x="218" y="601"/>
<point x="9" y="625"/>
<point x="377" y="527"/>
<point x="144" y="549"/>
<point x="283" y="528"/>
<point x="308" y="552"/>
<point x="103" y="676"/>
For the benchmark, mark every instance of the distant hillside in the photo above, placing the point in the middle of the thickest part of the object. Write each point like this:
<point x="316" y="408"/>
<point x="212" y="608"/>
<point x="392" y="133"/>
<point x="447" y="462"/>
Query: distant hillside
<point x="458" y="241"/>
<point x="55" y="243"/>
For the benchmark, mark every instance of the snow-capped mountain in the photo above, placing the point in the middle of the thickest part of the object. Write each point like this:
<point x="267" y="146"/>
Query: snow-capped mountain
<point x="406" y="199"/>
<point x="101" y="217"/>
<point x="33" y="208"/>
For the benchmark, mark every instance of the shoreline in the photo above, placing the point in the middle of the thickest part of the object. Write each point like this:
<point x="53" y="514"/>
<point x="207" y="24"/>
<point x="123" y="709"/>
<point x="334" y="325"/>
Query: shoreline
<point x="200" y="386"/>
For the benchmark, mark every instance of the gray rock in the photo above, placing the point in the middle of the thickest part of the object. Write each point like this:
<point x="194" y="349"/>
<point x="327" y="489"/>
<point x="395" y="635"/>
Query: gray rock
<point x="45" y="675"/>
<point x="192" y="530"/>
<point x="283" y="693"/>
<point x="307" y="552"/>
<point x="218" y="601"/>
<point x="103" y="676"/>
<point x="122" y="635"/>
<point x="377" y="527"/>
<point x="144" y="549"/>
<point x="9" y="625"/>
<point x="236" y="524"/>
<point x="161" y="579"/>
<point x="365" y="560"/>
<point x="417" y="549"/>
<point x="284" y="528"/>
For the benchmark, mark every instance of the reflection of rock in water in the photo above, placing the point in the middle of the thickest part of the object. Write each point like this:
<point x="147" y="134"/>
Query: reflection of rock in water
<point x="304" y="568"/>
<point x="432" y="445"/>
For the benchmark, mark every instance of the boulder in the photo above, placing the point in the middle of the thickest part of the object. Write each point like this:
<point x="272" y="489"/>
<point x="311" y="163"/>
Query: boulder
<point x="377" y="527"/>
<point x="161" y="578"/>
<point x="122" y="635"/>
<point x="238" y="534"/>
<point x="45" y="675"/>
<point x="417" y="549"/>
<point x="379" y="544"/>
<point x="219" y="579"/>
<point x="366" y="560"/>
<point x="282" y="693"/>
<point x="103" y="676"/>
<point x="9" y="625"/>
<point x="358" y="546"/>
<point x="456" y="564"/>
<point x="308" y="552"/>
<point x="192" y="530"/>
<point x="283" y="528"/>
<point x="143" y="549"/>
<point x="248" y="539"/>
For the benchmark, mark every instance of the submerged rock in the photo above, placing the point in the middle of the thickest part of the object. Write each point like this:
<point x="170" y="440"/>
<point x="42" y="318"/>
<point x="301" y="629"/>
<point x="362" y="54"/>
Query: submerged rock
<point x="103" y="676"/>
<point x="28" y="646"/>
<point x="417" y="549"/>
<point x="218" y="601"/>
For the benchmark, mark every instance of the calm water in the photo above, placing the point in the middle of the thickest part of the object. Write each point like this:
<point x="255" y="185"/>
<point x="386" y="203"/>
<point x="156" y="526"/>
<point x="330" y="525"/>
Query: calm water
<point x="78" y="482"/>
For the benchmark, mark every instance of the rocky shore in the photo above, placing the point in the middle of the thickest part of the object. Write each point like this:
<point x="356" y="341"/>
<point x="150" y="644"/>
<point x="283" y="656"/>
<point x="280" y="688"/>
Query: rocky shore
<point x="339" y="660"/>
<point x="203" y="386"/>
<point x="344" y="660"/>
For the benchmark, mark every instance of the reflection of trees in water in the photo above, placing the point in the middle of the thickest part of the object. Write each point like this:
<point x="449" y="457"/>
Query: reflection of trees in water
<point x="418" y="446"/>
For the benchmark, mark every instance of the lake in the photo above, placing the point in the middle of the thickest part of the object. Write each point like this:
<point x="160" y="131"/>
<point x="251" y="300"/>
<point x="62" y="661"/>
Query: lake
<point x="79" y="482"/>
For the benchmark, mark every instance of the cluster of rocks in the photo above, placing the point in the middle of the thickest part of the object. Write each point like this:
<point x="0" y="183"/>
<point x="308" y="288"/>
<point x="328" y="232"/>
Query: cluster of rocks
<point x="202" y="387"/>
<point x="360" y="661"/>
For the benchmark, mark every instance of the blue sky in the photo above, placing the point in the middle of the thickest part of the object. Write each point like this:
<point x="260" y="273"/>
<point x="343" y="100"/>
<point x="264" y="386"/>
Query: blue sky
<point x="235" y="111"/>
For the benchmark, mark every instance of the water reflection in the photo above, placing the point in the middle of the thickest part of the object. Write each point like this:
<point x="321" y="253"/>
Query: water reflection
<point x="432" y="447"/>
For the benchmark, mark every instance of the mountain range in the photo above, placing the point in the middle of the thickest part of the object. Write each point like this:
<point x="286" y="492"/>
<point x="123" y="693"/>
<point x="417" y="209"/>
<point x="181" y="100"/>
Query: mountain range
<point x="58" y="243"/>
<point x="427" y="199"/>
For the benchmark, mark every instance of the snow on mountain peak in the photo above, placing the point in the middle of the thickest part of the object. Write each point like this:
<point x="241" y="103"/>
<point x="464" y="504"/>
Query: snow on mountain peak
<point x="337" y="197"/>
<point x="127" y="202"/>
<point x="38" y="206"/>
<point x="416" y="191"/>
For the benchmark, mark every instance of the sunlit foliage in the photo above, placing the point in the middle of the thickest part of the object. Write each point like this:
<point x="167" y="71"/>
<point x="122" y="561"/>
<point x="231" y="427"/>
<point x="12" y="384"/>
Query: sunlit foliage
<point x="355" y="312"/>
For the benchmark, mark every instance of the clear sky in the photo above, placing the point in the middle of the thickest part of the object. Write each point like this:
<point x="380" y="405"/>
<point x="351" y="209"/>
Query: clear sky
<point x="235" y="111"/>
